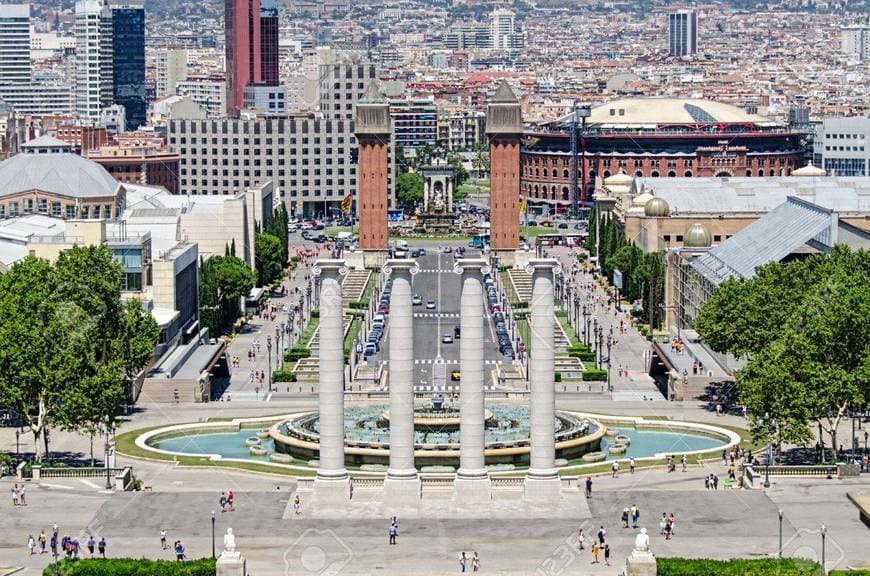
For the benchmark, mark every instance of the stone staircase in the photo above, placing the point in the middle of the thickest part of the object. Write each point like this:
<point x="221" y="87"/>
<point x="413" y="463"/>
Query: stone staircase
<point x="307" y="370"/>
<point x="354" y="286"/>
<point x="522" y="284"/>
<point x="314" y="343"/>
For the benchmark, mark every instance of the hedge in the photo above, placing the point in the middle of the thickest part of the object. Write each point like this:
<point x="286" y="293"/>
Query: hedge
<point x="594" y="375"/>
<point x="557" y="376"/>
<point x="359" y="305"/>
<point x="297" y="353"/>
<point x="295" y="259"/>
<point x="739" y="567"/>
<point x="284" y="375"/>
<point x="585" y="355"/>
<point x="131" y="567"/>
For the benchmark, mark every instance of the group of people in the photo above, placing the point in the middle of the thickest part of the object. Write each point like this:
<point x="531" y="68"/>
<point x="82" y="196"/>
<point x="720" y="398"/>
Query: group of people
<point x="600" y="545"/>
<point x="666" y="525"/>
<point x="465" y="560"/>
<point x="227" y="501"/>
<point x="19" y="495"/>
<point x="68" y="545"/>
<point x="672" y="463"/>
<point x="632" y="514"/>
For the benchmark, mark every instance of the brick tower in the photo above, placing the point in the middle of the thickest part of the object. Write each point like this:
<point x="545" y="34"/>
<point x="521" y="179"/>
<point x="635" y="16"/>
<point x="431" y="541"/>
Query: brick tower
<point x="373" y="137"/>
<point x="504" y="126"/>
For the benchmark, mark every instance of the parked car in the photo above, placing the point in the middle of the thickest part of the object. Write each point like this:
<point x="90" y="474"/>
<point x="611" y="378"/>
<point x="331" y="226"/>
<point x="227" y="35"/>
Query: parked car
<point x="454" y="375"/>
<point x="562" y="226"/>
<point x="456" y="332"/>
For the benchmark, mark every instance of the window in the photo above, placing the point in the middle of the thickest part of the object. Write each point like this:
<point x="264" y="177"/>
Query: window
<point x="2" y="210"/>
<point x="70" y="211"/>
<point x="42" y="205"/>
<point x="13" y="208"/>
<point x="28" y="205"/>
<point x="55" y="209"/>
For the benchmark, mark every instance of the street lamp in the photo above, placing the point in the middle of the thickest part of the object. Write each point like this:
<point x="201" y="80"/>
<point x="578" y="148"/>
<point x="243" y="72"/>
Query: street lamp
<point x="767" y="459"/>
<point x="824" y="532"/>
<point x="609" y="344"/>
<point x="780" y="534"/>
<point x="581" y="111"/>
<point x="17" y="451"/>
<point x="212" y="534"/>
<point x="586" y="324"/>
<point x="277" y="346"/>
<point x="269" y="357"/>
<point x="108" y="447"/>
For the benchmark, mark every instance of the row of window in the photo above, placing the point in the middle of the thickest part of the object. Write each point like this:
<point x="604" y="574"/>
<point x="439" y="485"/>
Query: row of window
<point x="55" y="209"/>
<point x="235" y="154"/>
<point x="173" y="140"/>
<point x="215" y="186"/>
<point x="844" y="148"/>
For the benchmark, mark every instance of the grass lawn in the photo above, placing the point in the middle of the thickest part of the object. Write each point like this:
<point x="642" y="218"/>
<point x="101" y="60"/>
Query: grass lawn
<point x="525" y="333"/>
<point x="308" y="333"/>
<point x="566" y="326"/>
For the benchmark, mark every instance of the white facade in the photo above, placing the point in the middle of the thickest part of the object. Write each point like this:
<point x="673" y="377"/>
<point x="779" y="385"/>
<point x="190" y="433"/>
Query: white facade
<point x="842" y="146"/>
<point x="502" y="28"/>
<point x="210" y="94"/>
<point x="171" y="69"/>
<point x="266" y="100"/>
<point x="14" y="43"/>
<point x="855" y="41"/>
<point x="39" y="99"/>
<point x="93" y="59"/>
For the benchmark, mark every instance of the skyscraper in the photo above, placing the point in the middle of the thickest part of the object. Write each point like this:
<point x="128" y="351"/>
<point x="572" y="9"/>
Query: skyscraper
<point x="243" y="50"/>
<point x="128" y="61"/>
<point x="682" y="33"/>
<point x="502" y="28"/>
<point x="94" y="87"/>
<point x="269" y="42"/>
<point x="14" y="43"/>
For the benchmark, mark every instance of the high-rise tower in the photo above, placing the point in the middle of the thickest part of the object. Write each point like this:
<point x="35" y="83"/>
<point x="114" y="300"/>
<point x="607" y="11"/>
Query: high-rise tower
<point x="269" y="42"/>
<point x="14" y="43"/>
<point x="243" y="50"/>
<point x="504" y="126"/>
<point x="94" y="88"/>
<point x="373" y="137"/>
<point x="682" y="33"/>
<point x="128" y="61"/>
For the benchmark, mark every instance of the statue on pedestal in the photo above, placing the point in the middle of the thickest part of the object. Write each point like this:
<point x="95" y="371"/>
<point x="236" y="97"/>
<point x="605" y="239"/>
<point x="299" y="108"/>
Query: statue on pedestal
<point x="229" y="543"/>
<point x="641" y="562"/>
<point x="230" y="562"/>
<point x="641" y="543"/>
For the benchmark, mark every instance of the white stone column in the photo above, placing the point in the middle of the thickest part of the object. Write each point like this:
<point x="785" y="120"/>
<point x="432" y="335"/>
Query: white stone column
<point x="402" y="484"/>
<point x="332" y="484"/>
<point x="472" y="482"/>
<point x="542" y="479"/>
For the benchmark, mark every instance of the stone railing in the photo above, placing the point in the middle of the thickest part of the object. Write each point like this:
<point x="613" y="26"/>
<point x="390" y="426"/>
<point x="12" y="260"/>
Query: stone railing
<point x="754" y="473"/>
<point x="121" y="478"/>
<point x="508" y="482"/>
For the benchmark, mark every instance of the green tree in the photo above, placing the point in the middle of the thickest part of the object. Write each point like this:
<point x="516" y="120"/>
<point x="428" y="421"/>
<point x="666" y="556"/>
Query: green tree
<point x="223" y="282"/>
<point x="270" y="260"/>
<point x="409" y="189"/>
<point x="460" y="174"/>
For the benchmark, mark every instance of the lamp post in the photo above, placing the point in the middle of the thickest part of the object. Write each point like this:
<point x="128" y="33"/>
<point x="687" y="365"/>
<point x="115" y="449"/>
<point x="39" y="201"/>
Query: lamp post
<point x="600" y="352"/>
<point x="586" y="324"/>
<point x="269" y="357"/>
<point x="824" y="532"/>
<point x="609" y="344"/>
<point x="17" y="451"/>
<point x="108" y="447"/>
<point x="212" y="535"/>
<point x="277" y="346"/>
<point x="780" y="534"/>
<point x="767" y="459"/>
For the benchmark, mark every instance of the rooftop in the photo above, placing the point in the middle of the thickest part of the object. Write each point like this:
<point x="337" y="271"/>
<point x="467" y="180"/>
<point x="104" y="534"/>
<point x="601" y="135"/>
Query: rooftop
<point x="670" y="111"/>
<point x="63" y="174"/>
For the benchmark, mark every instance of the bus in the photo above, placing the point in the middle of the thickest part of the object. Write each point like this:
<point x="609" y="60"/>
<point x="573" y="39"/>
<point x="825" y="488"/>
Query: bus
<point x="480" y="241"/>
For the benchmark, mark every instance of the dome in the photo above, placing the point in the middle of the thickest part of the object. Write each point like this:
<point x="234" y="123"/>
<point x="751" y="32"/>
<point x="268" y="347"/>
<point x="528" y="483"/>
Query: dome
<point x="809" y="170"/>
<point x="618" y="179"/>
<point x="657" y="208"/>
<point x="697" y="236"/>
<point x="641" y="199"/>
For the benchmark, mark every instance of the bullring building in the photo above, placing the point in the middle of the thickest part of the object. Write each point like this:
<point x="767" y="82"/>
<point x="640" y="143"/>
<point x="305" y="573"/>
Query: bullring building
<point x="654" y="137"/>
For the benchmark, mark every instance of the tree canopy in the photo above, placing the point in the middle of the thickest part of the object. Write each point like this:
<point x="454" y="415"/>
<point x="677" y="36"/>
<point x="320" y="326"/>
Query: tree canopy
<point x="69" y="348"/>
<point x="223" y="282"/>
<point x="409" y="189"/>
<point x="804" y="328"/>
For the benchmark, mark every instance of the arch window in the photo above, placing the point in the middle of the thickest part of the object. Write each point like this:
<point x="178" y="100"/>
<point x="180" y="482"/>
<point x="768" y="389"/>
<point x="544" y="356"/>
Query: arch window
<point x="671" y="174"/>
<point x="564" y="192"/>
<point x="761" y="172"/>
<point x="606" y="174"/>
<point x="654" y="174"/>
<point x="564" y="174"/>
<point x="687" y="174"/>
<point x="638" y="174"/>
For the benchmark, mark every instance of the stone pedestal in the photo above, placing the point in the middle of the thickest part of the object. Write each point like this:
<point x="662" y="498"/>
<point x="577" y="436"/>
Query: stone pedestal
<point x="402" y="492"/>
<point x="230" y="564"/>
<point x="543" y="490"/>
<point x="331" y="491"/>
<point x="355" y="260"/>
<point x="640" y="564"/>
<point x="472" y="491"/>
<point x="521" y="258"/>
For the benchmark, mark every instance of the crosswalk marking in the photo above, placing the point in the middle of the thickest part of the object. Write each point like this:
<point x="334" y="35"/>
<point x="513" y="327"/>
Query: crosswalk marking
<point x="449" y="362"/>
<point x="448" y="388"/>
<point x="436" y="315"/>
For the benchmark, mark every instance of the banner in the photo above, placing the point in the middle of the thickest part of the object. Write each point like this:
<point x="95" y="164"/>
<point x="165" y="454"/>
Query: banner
<point x="345" y="204"/>
<point x="522" y="204"/>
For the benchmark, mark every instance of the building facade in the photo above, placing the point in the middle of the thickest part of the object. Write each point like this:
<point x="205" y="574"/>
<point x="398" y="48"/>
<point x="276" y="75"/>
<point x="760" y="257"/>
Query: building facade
<point x="171" y="69"/>
<point x="855" y="41"/>
<point x="415" y="122"/>
<point x="94" y="87"/>
<point x="210" y="93"/>
<point x="682" y="33"/>
<point x="140" y="165"/>
<point x="243" y="50"/>
<point x="39" y="100"/>
<point x="842" y="146"/>
<point x="656" y="137"/>
<point x="128" y="61"/>
<point x="269" y="42"/>
<point x="14" y="43"/>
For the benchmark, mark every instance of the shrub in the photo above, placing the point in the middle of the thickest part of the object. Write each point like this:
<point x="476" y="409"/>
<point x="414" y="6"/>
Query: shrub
<point x="283" y="375"/>
<point x="585" y="355"/>
<point x="594" y="375"/>
<point x="582" y="257"/>
<point x="739" y="567"/>
<point x="359" y="305"/>
<point x="297" y="353"/>
<point x="315" y="313"/>
<point x="558" y="376"/>
<point x="296" y="259"/>
<point x="519" y="304"/>
<point x="131" y="567"/>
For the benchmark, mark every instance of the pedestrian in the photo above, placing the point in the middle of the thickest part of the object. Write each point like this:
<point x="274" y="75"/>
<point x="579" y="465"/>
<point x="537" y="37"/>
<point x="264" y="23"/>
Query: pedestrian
<point x="393" y="531"/>
<point x="625" y="517"/>
<point x="631" y="465"/>
<point x="685" y="462"/>
<point x="672" y="521"/>
<point x="602" y="534"/>
<point x="668" y="529"/>
<point x="715" y="482"/>
<point x="707" y="482"/>
<point x="14" y="493"/>
<point x="102" y="547"/>
<point x="663" y="523"/>
<point x="162" y="539"/>
<point x="230" y="499"/>
<point x="589" y="486"/>
<point x="91" y="545"/>
<point x="594" y="552"/>
<point x="614" y="468"/>
<point x="724" y="458"/>
<point x="297" y="505"/>
<point x="31" y="544"/>
<point x="179" y="551"/>
<point x="635" y="514"/>
<point x="42" y="540"/>
<point x="223" y="502"/>
<point x="53" y="545"/>
<point x="462" y="561"/>
<point x="607" y="554"/>
<point x="581" y="540"/>
<point x="475" y="562"/>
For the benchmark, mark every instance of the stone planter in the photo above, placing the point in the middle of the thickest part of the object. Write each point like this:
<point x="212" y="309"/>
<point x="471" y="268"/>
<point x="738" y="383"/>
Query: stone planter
<point x="594" y="457"/>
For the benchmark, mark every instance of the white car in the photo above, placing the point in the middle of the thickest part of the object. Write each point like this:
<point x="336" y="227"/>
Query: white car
<point x="430" y="305"/>
<point x="447" y="339"/>
<point x="416" y="300"/>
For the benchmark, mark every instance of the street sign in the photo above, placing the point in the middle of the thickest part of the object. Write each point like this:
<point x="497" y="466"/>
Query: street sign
<point x="617" y="278"/>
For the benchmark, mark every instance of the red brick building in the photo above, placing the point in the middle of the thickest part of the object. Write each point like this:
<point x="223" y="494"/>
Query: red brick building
<point x="147" y="164"/>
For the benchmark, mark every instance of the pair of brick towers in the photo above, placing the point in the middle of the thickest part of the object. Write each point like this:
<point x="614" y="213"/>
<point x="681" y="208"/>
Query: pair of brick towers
<point x="504" y="126"/>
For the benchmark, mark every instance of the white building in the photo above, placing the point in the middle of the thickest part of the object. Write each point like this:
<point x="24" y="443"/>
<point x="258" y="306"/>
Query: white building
<point x="502" y="28"/>
<point x="171" y="69"/>
<point x="39" y="99"/>
<point x="14" y="43"/>
<point x="211" y="94"/>
<point x="842" y="146"/>
<point x="682" y="33"/>
<point x="93" y="59"/>
<point x="855" y="41"/>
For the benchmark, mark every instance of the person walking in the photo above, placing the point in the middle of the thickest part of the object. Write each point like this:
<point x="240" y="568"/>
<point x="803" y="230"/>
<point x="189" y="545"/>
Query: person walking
<point x="53" y="545"/>
<point x="475" y="562"/>
<point x="41" y="541"/>
<point x="607" y="554"/>
<point x="602" y="534"/>
<point x="589" y="486"/>
<point x="297" y="505"/>
<point x="31" y="544"/>
<point x="631" y="465"/>
<point x="22" y="497"/>
<point x="179" y="551"/>
<point x="663" y="523"/>
<point x="581" y="540"/>
<point x="91" y="545"/>
<point x="14" y="493"/>
<point x="595" y="549"/>
<point x="684" y="461"/>
<point x="162" y="539"/>
<point x="102" y="547"/>
<point x="635" y="514"/>
<point x="463" y="560"/>
<point x="393" y="531"/>
<point x="625" y="517"/>
<point x="223" y="502"/>
<point x="614" y="468"/>
<point x="230" y="499"/>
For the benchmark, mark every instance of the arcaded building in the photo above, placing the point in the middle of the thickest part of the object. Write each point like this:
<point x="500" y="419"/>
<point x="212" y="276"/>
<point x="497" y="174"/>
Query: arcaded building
<point x="654" y="137"/>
